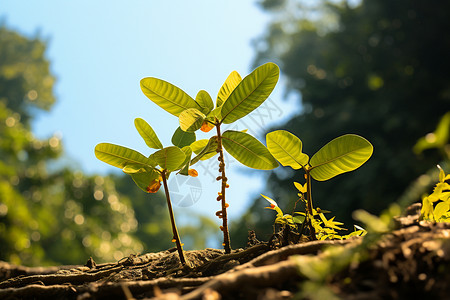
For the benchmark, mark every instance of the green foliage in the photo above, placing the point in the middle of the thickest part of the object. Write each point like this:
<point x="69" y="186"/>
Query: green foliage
<point x="248" y="150"/>
<point x="148" y="134"/>
<point x="182" y="138"/>
<point x="436" y="206"/>
<point x="341" y="155"/>
<point x="236" y="98"/>
<point x="250" y="93"/>
<point x="145" y="171"/>
<point x="167" y="96"/>
<point x="325" y="229"/>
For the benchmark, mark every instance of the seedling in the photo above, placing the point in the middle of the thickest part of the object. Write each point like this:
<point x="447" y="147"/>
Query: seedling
<point x="436" y="207"/>
<point x="343" y="154"/>
<point x="324" y="228"/>
<point x="148" y="172"/>
<point x="236" y="98"/>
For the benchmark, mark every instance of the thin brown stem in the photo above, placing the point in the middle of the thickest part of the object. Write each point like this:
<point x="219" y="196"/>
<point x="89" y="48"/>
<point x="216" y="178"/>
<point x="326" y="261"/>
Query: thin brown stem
<point x="176" y="237"/>
<point x="223" y="178"/>
<point x="312" y="231"/>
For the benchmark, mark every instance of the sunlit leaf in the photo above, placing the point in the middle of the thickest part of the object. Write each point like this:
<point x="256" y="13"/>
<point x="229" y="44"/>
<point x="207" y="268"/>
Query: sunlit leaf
<point x="147" y="133"/>
<point x="301" y="188"/>
<point x="134" y="168"/>
<point x="184" y="167"/>
<point x="298" y="219"/>
<point x="143" y="180"/>
<point x="248" y="150"/>
<point x="167" y="96"/>
<point x="119" y="156"/>
<point x="191" y="120"/>
<point x="286" y="148"/>
<point x="227" y="88"/>
<point x="204" y="149"/>
<point x="343" y="154"/>
<point x="427" y="209"/>
<point x="253" y="90"/>
<point x="182" y="138"/>
<point x="441" y="209"/>
<point x="169" y="158"/>
<point x="204" y="100"/>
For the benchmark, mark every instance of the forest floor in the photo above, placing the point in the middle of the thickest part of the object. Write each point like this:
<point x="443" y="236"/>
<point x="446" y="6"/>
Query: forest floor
<point x="410" y="262"/>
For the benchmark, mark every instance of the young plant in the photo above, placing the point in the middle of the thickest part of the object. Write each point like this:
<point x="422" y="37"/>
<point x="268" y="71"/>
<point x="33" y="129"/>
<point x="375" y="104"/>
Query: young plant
<point x="236" y="98"/>
<point x="343" y="154"/>
<point x="148" y="172"/>
<point x="324" y="228"/>
<point x="436" y="207"/>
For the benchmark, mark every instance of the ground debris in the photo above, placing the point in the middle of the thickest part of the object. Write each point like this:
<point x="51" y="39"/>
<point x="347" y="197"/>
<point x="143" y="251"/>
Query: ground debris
<point x="409" y="262"/>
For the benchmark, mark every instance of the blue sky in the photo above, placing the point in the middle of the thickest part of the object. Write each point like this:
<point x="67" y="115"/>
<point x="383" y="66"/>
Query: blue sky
<point x="99" y="50"/>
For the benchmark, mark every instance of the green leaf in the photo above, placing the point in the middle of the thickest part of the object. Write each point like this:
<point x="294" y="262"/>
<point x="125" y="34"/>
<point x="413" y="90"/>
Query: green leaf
<point x="248" y="150"/>
<point x="120" y="157"/>
<point x="182" y="138"/>
<point x="301" y="188"/>
<point x="167" y="96"/>
<point x="204" y="149"/>
<point x="204" y="100"/>
<point x="134" y="168"/>
<point x="299" y="219"/>
<point x="286" y="148"/>
<point x="441" y="209"/>
<point x="147" y="133"/>
<point x="144" y="179"/>
<point x="343" y="154"/>
<point x="251" y="92"/>
<point x="184" y="167"/>
<point x="227" y="88"/>
<point x="213" y="115"/>
<point x="169" y="158"/>
<point x="427" y="209"/>
<point x="191" y="120"/>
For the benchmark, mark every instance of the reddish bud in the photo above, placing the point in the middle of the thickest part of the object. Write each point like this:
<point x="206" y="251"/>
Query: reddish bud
<point x="206" y="126"/>
<point x="154" y="186"/>
<point x="193" y="172"/>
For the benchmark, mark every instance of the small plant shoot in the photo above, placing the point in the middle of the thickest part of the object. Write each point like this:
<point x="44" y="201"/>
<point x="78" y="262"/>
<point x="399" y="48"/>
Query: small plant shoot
<point x="149" y="172"/>
<point x="436" y="207"/>
<point x="236" y="98"/>
<point x="343" y="154"/>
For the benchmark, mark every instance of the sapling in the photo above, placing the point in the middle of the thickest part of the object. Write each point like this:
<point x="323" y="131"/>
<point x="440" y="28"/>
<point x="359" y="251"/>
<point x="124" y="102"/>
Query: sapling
<point x="236" y="98"/>
<point x="343" y="154"/>
<point x="148" y="172"/>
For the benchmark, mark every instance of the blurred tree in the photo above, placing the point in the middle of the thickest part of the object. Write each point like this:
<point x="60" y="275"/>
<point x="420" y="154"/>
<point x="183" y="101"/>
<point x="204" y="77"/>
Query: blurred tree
<point x="59" y="217"/>
<point x="378" y="69"/>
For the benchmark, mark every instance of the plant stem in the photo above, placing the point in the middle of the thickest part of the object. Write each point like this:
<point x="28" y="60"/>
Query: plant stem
<point x="172" y="219"/>
<point x="310" y="206"/>
<point x="226" y="234"/>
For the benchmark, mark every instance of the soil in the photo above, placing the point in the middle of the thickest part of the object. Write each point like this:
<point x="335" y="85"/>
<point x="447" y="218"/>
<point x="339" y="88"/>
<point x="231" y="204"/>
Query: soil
<point x="410" y="262"/>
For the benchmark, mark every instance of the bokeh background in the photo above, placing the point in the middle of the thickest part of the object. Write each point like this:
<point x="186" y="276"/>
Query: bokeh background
<point x="69" y="79"/>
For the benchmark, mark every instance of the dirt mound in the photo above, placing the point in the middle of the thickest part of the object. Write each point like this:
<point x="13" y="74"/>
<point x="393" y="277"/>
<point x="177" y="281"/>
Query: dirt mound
<point x="411" y="261"/>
